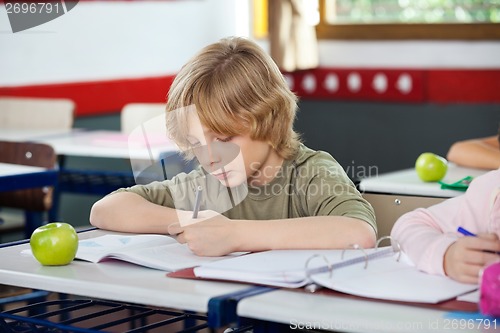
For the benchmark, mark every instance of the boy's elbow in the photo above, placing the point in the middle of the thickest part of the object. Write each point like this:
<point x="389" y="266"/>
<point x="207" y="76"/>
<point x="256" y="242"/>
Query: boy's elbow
<point x="369" y="240"/>
<point x="368" y="237"/>
<point x="95" y="217"/>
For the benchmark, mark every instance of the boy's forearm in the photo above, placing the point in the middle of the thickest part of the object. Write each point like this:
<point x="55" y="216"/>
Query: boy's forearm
<point x="318" y="232"/>
<point x="128" y="212"/>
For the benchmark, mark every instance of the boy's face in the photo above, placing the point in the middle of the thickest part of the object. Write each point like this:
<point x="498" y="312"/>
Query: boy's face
<point x="233" y="160"/>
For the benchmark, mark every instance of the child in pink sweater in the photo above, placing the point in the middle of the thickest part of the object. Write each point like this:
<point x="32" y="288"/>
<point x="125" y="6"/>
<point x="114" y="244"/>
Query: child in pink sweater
<point x="429" y="235"/>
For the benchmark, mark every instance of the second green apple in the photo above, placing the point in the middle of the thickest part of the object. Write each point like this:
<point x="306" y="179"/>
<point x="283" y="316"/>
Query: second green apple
<point x="431" y="167"/>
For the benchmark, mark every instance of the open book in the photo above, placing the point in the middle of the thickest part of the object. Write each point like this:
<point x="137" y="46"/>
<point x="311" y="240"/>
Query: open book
<point x="154" y="251"/>
<point x="375" y="273"/>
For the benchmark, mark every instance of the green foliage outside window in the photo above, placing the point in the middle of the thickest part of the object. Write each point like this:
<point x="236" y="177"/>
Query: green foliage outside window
<point x="412" y="11"/>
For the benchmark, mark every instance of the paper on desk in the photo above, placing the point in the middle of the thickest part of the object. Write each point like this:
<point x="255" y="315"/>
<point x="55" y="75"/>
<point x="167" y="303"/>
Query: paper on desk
<point x="154" y="251"/>
<point x="384" y="277"/>
<point x="279" y="268"/>
<point x="472" y="297"/>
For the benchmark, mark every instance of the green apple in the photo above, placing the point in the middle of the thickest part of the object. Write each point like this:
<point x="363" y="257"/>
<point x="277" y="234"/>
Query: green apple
<point x="54" y="244"/>
<point x="431" y="167"/>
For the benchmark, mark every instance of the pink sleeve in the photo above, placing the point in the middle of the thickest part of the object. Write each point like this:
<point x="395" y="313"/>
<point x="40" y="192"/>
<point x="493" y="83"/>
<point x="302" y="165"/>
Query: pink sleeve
<point x="495" y="212"/>
<point x="422" y="236"/>
<point x="426" y="233"/>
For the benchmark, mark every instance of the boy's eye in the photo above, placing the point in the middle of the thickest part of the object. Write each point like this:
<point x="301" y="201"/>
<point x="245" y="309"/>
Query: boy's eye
<point x="229" y="138"/>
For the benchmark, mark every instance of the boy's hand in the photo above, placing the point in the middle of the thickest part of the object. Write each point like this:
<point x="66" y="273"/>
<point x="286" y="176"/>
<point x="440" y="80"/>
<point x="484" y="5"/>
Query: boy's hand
<point x="465" y="258"/>
<point x="186" y="217"/>
<point x="209" y="235"/>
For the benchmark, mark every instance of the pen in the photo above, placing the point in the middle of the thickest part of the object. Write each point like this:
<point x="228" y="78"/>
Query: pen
<point x="197" y="202"/>
<point x="465" y="232"/>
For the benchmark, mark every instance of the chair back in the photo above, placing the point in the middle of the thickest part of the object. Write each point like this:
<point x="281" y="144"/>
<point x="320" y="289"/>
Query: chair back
<point x="31" y="154"/>
<point x="36" y="113"/>
<point x="134" y="115"/>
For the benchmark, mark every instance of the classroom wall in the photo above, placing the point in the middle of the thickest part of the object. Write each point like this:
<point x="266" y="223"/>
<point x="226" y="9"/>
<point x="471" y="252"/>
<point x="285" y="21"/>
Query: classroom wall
<point x="105" y="53"/>
<point x="102" y="40"/>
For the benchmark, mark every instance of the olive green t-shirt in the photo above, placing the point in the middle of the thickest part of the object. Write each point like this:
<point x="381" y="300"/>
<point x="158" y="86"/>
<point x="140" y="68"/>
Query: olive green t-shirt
<point x="311" y="184"/>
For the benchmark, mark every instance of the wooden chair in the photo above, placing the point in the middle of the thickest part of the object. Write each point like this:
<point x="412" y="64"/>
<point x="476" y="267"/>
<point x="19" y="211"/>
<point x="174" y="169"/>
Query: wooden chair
<point x="34" y="202"/>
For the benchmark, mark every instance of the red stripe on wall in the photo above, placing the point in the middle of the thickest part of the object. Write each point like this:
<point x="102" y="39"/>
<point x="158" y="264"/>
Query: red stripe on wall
<point x="378" y="85"/>
<point x="469" y="86"/>
<point x="100" y="97"/>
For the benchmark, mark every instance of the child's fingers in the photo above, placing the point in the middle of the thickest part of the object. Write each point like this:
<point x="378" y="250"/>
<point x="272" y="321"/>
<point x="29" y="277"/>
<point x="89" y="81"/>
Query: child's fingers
<point x="175" y="229"/>
<point x="180" y="238"/>
<point x="186" y="218"/>
<point x="489" y="243"/>
<point x="484" y="242"/>
<point x="488" y="236"/>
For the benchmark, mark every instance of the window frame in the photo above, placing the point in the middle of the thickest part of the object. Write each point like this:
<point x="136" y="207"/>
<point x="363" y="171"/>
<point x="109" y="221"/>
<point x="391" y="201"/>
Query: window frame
<point x="398" y="31"/>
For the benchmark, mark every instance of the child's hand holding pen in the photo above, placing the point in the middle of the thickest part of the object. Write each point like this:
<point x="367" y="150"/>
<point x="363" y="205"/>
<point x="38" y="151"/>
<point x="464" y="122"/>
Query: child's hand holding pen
<point x="207" y="235"/>
<point x="186" y="217"/>
<point x="206" y="239"/>
<point x="467" y="256"/>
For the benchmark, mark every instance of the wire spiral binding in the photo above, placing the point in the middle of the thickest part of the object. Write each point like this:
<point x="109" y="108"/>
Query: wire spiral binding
<point x="395" y="247"/>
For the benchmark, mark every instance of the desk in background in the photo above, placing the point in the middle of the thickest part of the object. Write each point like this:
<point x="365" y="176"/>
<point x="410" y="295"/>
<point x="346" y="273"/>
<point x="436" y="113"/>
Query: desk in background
<point x="93" y="143"/>
<point x="143" y="152"/>
<point x="12" y="134"/>
<point x="395" y="193"/>
<point x="140" y="153"/>
<point x="19" y="177"/>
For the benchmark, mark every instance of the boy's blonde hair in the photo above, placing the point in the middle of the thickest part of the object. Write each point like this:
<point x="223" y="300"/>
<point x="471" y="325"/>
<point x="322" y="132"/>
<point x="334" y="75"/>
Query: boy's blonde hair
<point x="237" y="89"/>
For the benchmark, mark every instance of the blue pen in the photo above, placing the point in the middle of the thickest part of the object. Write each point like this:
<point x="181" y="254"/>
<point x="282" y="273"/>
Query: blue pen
<point x="465" y="232"/>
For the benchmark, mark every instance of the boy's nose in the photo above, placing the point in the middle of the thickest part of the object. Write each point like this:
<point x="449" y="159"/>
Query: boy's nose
<point x="207" y="155"/>
<point x="217" y="155"/>
<point x="213" y="154"/>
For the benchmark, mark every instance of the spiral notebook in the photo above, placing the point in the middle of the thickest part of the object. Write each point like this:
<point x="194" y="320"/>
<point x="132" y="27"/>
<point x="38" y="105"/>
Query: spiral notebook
<point x="374" y="273"/>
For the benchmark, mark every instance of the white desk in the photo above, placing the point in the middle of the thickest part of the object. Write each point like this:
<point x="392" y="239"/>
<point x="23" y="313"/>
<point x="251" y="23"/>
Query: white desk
<point x="406" y="182"/>
<point x="299" y="310"/>
<point x="395" y="193"/>
<point x="116" y="281"/>
<point x="143" y="150"/>
<point x="113" y="144"/>
<point x="12" y="134"/>
<point x="9" y="169"/>
<point x="99" y="143"/>
<point x="17" y="177"/>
